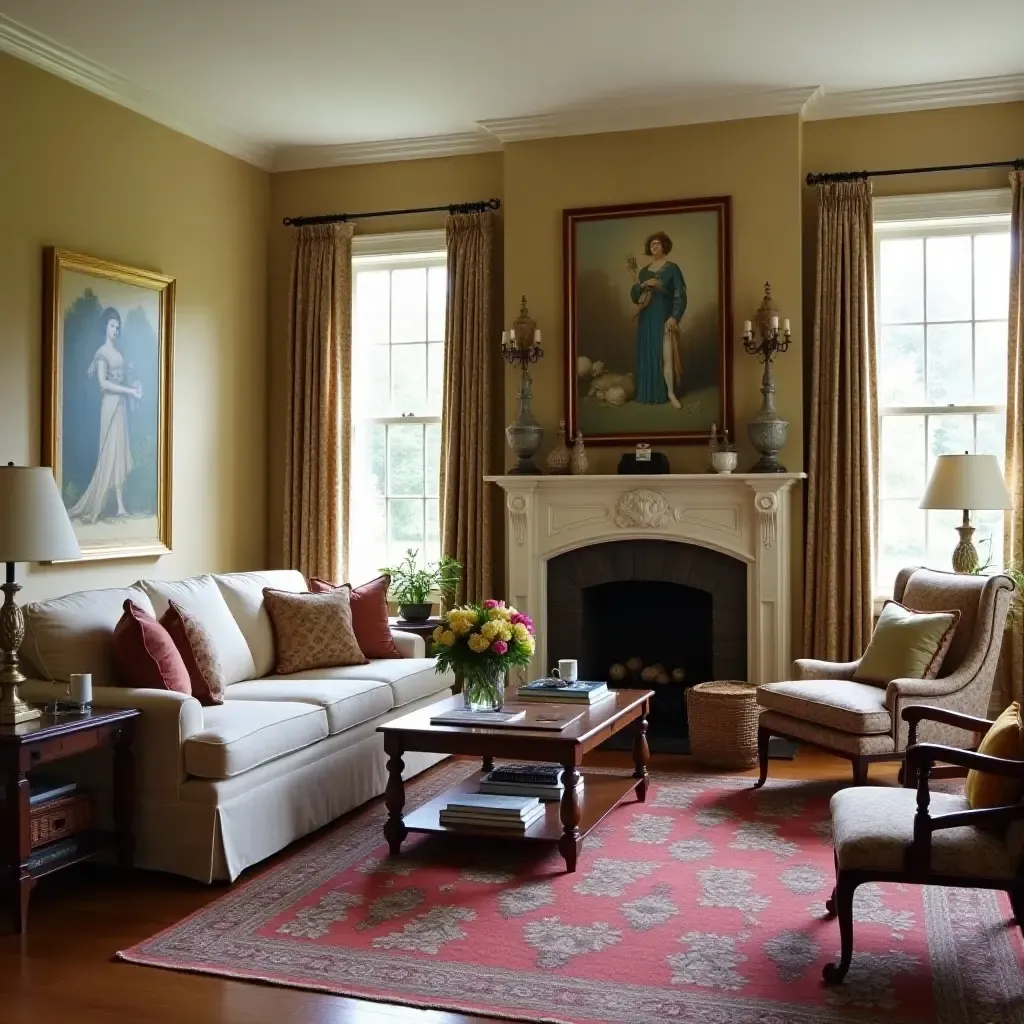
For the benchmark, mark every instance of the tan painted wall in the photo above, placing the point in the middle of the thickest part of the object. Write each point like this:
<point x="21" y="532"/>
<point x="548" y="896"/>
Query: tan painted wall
<point x="400" y="185"/>
<point x="85" y="174"/>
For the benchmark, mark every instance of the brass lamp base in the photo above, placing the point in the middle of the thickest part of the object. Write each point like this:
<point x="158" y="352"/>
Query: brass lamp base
<point x="965" y="554"/>
<point x="13" y="710"/>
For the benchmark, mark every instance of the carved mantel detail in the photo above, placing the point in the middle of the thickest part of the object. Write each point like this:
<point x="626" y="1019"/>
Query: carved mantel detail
<point x="642" y="507"/>
<point x="517" y="517"/>
<point x="767" y="505"/>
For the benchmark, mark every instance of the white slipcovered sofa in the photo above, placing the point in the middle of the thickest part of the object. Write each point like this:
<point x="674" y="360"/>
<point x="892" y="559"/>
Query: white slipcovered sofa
<point x="220" y="788"/>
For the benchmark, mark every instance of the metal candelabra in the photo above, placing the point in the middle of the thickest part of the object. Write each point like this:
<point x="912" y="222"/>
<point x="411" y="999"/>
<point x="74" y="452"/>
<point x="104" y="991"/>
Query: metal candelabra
<point x="521" y="346"/>
<point x="767" y="430"/>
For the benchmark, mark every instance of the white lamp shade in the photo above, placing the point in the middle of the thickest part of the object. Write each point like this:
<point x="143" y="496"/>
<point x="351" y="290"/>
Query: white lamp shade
<point x="34" y="525"/>
<point x="967" y="482"/>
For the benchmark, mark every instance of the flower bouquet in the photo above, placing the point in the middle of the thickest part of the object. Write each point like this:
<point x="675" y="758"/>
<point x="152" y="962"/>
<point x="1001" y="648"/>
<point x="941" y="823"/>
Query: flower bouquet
<point x="480" y="643"/>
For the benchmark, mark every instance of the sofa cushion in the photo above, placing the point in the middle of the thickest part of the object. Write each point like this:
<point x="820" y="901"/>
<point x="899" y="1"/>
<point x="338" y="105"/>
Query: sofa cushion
<point x="243" y="592"/>
<point x="906" y="644"/>
<point x="872" y="826"/>
<point x="75" y="633"/>
<point x="241" y="734"/>
<point x="312" y="630"/>
<point x="199" y="652"/>
<point x="857" y="708"/>
<point x="200" y="596"/>
<point x="369" y="615"/>
<point x="348" y="703"/>
<point x="145" y="654"/>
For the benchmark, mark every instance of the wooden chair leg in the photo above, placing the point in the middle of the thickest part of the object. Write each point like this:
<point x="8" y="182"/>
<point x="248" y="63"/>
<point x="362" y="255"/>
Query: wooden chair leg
<point x="1017" y="903"/>
<point x="763" y="736"/>
<point x="860" y="771"/>
<point x="842" y="905"/>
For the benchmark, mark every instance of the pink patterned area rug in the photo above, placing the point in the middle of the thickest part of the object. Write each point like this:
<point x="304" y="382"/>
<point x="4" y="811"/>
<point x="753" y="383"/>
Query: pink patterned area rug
<point x="704" y="905"/>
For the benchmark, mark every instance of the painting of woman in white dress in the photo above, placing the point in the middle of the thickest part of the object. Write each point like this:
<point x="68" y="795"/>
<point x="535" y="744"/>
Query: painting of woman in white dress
<point x="107" y="421"/>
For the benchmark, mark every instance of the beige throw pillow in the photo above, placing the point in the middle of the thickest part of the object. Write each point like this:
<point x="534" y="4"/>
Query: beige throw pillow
<point x="906" y="644"/>
<point x="312" y="630"/>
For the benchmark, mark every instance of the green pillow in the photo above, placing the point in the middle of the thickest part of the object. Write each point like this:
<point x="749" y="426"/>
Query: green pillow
<point x="906" y="644"/>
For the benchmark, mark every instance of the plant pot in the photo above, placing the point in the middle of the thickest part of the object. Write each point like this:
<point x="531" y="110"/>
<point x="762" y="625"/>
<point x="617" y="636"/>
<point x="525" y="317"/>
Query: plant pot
<point x="483" y="688"/>
<point x="414" y="612"/>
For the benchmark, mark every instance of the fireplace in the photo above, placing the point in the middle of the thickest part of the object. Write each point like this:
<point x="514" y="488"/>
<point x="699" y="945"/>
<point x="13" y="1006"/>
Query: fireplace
<point x="663" y="615"/>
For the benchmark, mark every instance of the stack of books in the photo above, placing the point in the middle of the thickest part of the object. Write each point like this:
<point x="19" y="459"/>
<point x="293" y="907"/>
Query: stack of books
<point x="514" y="814"/>
<point x="580" y="692"/>
<point x="543" y="781"/>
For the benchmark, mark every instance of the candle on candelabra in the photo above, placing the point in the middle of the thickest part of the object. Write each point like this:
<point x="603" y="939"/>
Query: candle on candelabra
<point x="785" y="326"/>
<point x="774" y="323"/>
<point x="747" y="327"/>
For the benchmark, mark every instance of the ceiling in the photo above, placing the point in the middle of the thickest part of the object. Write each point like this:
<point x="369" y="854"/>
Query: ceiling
<point x="281" y="76"/>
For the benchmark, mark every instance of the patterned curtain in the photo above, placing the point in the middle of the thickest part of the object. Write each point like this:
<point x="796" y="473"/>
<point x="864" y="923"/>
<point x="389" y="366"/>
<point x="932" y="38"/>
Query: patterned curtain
<point x="843" y="462"/>
<point x="1014" y="535"/>
<point x="470" y="346"/>
<point x="319" y="402"/>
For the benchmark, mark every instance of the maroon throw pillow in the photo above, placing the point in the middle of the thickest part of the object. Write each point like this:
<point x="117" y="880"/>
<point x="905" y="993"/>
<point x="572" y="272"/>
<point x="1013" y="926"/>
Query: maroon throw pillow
<point x="369" y="615"/>
<point x="197" y="652"/>
<point x="145" y="654"/>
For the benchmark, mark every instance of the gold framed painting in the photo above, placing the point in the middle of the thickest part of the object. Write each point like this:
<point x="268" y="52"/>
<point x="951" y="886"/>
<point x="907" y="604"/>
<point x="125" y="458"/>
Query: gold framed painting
<point x="648" y="321"/>
<point x="108" y="344"/>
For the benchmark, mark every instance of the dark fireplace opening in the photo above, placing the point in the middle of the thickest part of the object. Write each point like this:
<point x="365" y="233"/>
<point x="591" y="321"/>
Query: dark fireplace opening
<point x="650" y="614"/>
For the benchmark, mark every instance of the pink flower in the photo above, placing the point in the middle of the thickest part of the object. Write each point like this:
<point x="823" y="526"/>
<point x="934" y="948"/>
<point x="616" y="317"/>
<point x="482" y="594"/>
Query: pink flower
<point x="491" y="603"/>
<point x="499" y="647"/>
<point x="519" y="619"/>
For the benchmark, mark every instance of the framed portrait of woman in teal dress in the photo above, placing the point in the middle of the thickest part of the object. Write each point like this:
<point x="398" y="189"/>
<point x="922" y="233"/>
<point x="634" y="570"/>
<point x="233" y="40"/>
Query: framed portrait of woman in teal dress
<point x="648" y="321"/>
<point x="108" y="347"/>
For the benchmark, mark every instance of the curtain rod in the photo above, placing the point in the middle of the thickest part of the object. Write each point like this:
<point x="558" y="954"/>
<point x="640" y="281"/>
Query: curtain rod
<point x="336" y="218"/>
<point x="821" y="179"/>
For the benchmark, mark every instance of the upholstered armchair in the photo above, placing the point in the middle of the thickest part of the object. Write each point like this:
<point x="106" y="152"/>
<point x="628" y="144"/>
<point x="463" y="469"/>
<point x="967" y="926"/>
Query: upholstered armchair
<point x="916" y="836"/>
<point x="825" y="707"/>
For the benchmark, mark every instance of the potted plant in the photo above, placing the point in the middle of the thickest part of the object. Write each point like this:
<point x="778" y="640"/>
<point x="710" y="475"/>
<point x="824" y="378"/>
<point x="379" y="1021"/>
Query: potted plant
<point x="480" y="643"/>
<point x="411" y="587"/>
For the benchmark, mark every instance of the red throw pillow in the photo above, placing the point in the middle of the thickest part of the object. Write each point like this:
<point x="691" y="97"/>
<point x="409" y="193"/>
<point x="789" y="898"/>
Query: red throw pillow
<point x="369" y="615"/>
<point x="197" y="652"/>
<point x="145" y="654"/>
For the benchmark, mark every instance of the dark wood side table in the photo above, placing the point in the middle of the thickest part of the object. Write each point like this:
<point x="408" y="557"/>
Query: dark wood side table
<point x="28" y="746"/>
<point x="423" y="629"/>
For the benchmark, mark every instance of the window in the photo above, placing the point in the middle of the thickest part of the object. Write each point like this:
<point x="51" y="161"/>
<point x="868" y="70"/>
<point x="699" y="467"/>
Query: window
<point x="398" y="318"/>
<point x="942" y="266"/>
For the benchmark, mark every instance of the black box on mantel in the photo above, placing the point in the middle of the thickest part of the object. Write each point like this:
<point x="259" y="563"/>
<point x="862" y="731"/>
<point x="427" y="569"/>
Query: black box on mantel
<point x="629" y="463"/>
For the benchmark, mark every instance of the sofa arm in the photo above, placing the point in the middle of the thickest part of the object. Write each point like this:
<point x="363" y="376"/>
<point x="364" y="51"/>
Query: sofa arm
<point x="168" y="719"/>
<point x="409" y="644"/>
<point x="811" y="668"/>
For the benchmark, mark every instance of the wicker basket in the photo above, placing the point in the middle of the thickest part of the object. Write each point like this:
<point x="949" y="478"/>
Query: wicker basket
<point x="723" y="723"/>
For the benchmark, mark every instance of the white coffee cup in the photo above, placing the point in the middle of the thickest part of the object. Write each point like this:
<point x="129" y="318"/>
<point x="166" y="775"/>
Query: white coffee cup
<point x="80" y="688"/>
<point x="567" y="670"/>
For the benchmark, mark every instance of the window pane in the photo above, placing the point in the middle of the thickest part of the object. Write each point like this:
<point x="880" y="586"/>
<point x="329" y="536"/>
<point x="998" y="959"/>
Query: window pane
<point x="405" y="527"/>
<point x="433" y="542"/>
<point x="409" y="305"/>
<point x="435" y="379"/>
<point x="371" y="395"/>
<point x="903" y="457"/>
<point x="367" y="546"/>
<point x="378" y="457"/>
<point x="902" y="280"/>
<point x="948" y="278"/>
<point x="990" y="363"/>
<point x="949" y="435"/>
<point x="942" y="537"/>
<point x="988" y="537"/>
<point x="900" y="541"/>
<point x="901" y="366"/>
<point x="371" y="306"/>
<point x="991" y="431"/>
<point x="405" y="458"/>
<point x="433" y="457"/>
<point x="437" y="298"/>
<point x="949" y="364"/>
<point x="991" y="276"/>
<point x="409" y="379"/>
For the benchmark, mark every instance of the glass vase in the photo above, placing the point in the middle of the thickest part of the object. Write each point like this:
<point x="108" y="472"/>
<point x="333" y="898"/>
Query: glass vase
<point x="483" y="686"/>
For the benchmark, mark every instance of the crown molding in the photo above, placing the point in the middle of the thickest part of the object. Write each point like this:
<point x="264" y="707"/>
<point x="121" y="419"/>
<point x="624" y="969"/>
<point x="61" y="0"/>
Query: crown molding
<point x="304" y="158"/>
<point x="30" y="46"/>
<point x="636" y="116"/>
<point x="967" y="92"/>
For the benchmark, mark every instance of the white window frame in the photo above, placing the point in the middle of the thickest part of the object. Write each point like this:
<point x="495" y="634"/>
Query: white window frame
<point x="394" y="252"/>
<point x="940" y="214"/>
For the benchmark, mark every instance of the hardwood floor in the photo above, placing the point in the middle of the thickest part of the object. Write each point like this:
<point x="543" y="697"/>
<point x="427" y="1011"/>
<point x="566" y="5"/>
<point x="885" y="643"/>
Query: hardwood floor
<point x="62" y="968"/>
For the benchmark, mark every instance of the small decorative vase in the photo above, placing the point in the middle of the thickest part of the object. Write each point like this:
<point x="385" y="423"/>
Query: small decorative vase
<point x="483" y="686"/>
<point x="579" y="456"/>
<point x="724" y="457"/>
<point x="559" y="457"/>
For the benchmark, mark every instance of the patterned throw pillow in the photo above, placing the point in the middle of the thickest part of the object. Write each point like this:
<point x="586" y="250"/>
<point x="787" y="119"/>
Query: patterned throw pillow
<point x="198" y="652"/>
<point x="313" y="630"/>
<point x="369" y="615"/>
<point x="145" y="655"/>
<point x="906" y="644"/>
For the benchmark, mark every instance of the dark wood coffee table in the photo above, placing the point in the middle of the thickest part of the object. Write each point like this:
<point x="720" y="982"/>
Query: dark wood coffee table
<point x="566" y="822"/>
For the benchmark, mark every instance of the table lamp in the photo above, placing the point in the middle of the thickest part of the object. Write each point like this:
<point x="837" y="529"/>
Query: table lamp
<point x="34" y="527"/>
<point x="966" y="482"/>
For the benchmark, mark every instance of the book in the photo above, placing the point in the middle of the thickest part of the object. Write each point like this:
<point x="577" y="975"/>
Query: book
<point x="519" y="772"/>
<point x="466" y="819"/>
<point x="580" y="692"/>
<point x="494" y="805"/>
<point x="43" y="788"/>
<point x="490" y="718"/>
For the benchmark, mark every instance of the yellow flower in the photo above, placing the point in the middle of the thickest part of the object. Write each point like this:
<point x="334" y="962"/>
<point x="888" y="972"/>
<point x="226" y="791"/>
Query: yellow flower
<point x="531" y="644"/>
<point x="500" y="613"/>
<point x="490" y="630"/>
<point x="521" y="633"/>
<point x="461" y="620"/>
<point x="478" y="643"/>
<point x="512" y="611"/>
<point x="437" y="634"/>
<point x="504" y="630"/>
<point x="447" y="638"/>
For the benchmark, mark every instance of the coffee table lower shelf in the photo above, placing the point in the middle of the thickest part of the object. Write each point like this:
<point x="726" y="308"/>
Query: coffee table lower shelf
<point x="602" y="792"/>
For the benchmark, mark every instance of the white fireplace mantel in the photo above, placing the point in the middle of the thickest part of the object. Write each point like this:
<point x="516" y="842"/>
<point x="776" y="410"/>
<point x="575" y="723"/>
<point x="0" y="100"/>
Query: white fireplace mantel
<point x="745" y="515"/>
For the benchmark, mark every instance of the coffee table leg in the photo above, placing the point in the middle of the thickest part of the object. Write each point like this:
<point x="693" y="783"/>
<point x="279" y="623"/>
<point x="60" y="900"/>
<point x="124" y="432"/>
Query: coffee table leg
<point x="488" y="763"/>
<point x="570" y="814"/>
<point x="641" y="753"/>
<point x="394" y="800"/>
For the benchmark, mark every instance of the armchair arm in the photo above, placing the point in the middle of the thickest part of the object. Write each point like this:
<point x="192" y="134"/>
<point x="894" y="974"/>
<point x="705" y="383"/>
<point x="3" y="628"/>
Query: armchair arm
<point x="914" y="713"/>
<point x="409" y="644"/>
<point x="811" y="668"/>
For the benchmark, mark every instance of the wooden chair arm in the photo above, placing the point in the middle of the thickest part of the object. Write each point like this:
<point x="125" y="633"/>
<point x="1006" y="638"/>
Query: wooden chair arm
<point x="915" y="713"/>
<point x="924" y="755"/>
